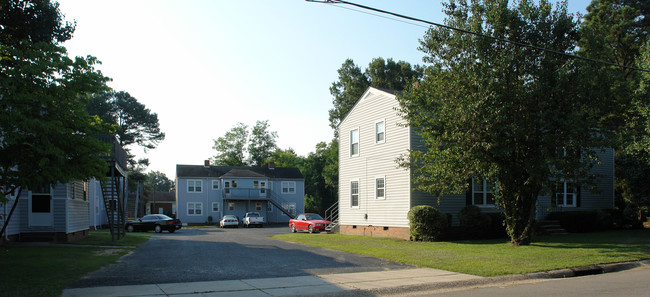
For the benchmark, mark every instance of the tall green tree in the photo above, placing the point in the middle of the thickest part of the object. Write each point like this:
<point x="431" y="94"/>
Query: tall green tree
<point x="46" y="134"/>
<point x="231" y="148"/>
<point x="158" y="181"/>
<point x="135" y="123"/>
<point x="520" y="116"/>
<point x="261" y="143"/>
<point x="616" y="31"/>
<point x="352" y="82"/>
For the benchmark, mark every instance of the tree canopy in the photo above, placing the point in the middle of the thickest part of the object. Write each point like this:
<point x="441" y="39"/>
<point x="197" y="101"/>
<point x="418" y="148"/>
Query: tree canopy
<point x="519" y="116"/>
<point x="46" y="134"/>
<point x="352" y="82"/>
<point x="231" y="148"/>
<point x="135" y="123"/>
<point x="261" y="143"/>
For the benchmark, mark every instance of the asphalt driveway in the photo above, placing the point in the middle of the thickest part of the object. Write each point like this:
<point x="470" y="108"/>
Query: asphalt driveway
<point x="210" y="254"/>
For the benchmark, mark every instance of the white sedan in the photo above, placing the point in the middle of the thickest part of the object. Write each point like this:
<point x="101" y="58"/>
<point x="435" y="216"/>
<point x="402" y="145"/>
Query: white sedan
<point x="229" y="221"/>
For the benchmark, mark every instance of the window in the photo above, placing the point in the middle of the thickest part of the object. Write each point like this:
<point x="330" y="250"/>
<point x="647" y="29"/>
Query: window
<point x="354" y="193"/>
<point x="380" y="131"/>
<point x="258" y="206"/>
<point x="263" y="187"/>
<point x="231" y="205"/>
<point x="194" y="208"/>
<point x="215" y="206"/>
<point x="380" y="188"/>
<point x="354" y="142"/>
<point x="234" y="183"/>
<point x="256" y="184"/>
<point x="288" y="187"/>
<point x="483" y="192"/>
<point x="194" y="186"/>
<point x="215" y="184"/>
<point x="292" y="208"/>
<point x="269" y="207"/>
<point x="565" y="194"/>
<point x="226" y="186"/>
<point x="41" y="198"/>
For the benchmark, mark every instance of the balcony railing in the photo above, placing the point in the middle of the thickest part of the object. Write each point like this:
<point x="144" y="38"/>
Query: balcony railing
<point x="118" y="154"/>
<point x="246" y="193"/>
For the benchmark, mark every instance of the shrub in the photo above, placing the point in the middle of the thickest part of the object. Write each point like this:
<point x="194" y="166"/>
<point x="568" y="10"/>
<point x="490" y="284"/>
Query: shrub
<point x="427" y="223"/>
<point x="632" y="216"/>
<point x="474" y="224"/>
<point x="583" y="221"/>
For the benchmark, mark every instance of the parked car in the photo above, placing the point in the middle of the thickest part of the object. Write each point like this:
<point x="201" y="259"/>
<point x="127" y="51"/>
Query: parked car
<point x="155" y="222"/>
<point x="310" y="222"/>
<point x="229" y="221"/>
<point x="253" y="219"/>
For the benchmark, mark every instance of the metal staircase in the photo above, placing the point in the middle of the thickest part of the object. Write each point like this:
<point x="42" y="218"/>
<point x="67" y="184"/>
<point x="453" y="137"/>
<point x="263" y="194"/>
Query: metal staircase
<point x="332" y="215"/>
<point x="278" y="203"/>
<point x="114" y="185"/>
<point x="113" y="202"/>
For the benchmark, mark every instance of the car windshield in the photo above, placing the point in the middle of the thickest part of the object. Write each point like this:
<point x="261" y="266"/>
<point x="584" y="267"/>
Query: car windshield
<point x="314" y="217"/>
<point x="229" y="217"/>
<point x="253" y="214"/>
<point x="164" y="217"/>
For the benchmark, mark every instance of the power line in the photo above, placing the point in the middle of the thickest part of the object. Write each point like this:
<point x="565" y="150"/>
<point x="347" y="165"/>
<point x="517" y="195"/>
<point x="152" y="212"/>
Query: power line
<point x="474" y="33"/>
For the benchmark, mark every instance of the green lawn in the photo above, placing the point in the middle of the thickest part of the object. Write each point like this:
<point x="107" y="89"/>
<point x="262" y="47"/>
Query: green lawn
<point x="493" y="257"/>
<point x="47" y="270"/>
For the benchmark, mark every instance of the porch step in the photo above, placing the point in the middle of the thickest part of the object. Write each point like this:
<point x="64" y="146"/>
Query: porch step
<point x="551" y="227"/>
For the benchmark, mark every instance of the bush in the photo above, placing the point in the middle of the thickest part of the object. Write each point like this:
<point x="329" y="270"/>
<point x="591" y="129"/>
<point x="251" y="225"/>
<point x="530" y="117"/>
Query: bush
<point x="632" y="216"/>
<point x="474" y="224"/>
<point x="427" y="223"/>
<point x="583" y="221"/>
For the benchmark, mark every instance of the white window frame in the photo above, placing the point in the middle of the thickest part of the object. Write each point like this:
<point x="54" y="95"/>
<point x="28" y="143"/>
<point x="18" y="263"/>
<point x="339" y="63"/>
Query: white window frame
<point x="194" y="182"/>
<point x="383" y="188"/>
<point x="231" y="206"/>
<point x="377" y="132"/>
<point x="194" y="206"/>
<point x="213" y="204"/>
<point x="484" y="192"/>
<point x="561" y="196"/>
<point x="358" y="196"/>
<point x="215" y="184"/>
<point x="258" y="206"/>
<point x="292" y="208"/>
<point x="352" y="143"/>
<point x="269" y="207"/>
<point x="289" y="186"/>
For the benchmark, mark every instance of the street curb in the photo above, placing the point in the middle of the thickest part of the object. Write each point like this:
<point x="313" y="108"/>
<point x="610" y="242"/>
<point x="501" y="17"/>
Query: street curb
<point x="560" y="273"/>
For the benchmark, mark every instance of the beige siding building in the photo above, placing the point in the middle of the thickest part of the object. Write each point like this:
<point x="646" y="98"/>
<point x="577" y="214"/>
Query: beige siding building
<point x="375" y="194"/>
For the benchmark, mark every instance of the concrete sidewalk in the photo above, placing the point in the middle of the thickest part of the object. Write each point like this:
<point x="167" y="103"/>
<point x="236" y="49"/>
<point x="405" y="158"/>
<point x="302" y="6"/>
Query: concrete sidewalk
<point x="330" y="284"/>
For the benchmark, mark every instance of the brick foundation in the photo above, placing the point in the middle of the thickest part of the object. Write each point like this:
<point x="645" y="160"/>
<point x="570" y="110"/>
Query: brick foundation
<point x="376" y="231"/>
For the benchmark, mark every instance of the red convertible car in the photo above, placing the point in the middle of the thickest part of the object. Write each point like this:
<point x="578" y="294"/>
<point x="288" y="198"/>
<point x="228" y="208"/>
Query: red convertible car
<point x="308" y="221"/>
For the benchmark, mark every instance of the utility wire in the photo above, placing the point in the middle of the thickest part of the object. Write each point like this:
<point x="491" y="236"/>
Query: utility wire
<point x="476" y="34"/>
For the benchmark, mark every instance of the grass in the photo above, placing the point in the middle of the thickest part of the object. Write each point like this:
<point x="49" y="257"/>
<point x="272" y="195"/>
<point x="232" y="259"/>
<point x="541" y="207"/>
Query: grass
<point x="493" y="257"/>
<point x="46" y="270"/>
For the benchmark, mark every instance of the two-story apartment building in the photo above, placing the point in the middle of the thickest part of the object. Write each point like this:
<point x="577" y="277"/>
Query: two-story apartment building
<point x="375" y="194"/>
<point x="210" y="192"/>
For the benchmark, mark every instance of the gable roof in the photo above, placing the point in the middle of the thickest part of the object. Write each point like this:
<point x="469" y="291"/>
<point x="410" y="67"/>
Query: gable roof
<point x="367" y="93"/>
<point x="184" y="171"/>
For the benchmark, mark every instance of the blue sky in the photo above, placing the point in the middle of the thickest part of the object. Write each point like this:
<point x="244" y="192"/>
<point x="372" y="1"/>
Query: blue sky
<point x="204" y="66"/>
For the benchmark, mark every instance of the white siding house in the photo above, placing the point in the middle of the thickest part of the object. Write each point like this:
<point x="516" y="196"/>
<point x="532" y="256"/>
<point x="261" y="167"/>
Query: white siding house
<point x="375" y="194"/>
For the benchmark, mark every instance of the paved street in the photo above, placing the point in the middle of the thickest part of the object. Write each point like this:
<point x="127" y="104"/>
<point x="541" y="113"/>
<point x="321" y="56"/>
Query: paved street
<point x="623" y="283"/>
<point x="212" y="254"/>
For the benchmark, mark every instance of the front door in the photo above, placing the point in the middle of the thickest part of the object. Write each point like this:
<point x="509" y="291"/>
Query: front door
<point x="41" y="206"/>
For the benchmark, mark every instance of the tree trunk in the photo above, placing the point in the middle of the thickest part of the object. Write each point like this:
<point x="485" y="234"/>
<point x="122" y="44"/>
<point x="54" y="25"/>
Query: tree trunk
<point x="4" y="227"/>
<point x="519" y="210"/>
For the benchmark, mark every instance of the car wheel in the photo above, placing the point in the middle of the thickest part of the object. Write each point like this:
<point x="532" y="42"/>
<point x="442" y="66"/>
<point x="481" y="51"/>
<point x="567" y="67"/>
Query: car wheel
<point x="172" y="230"/>
<point x="293" y="228"/>
<point x="157" y="229"/>
<point x="310" y="229"/>
<point x="130" y="228"/>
